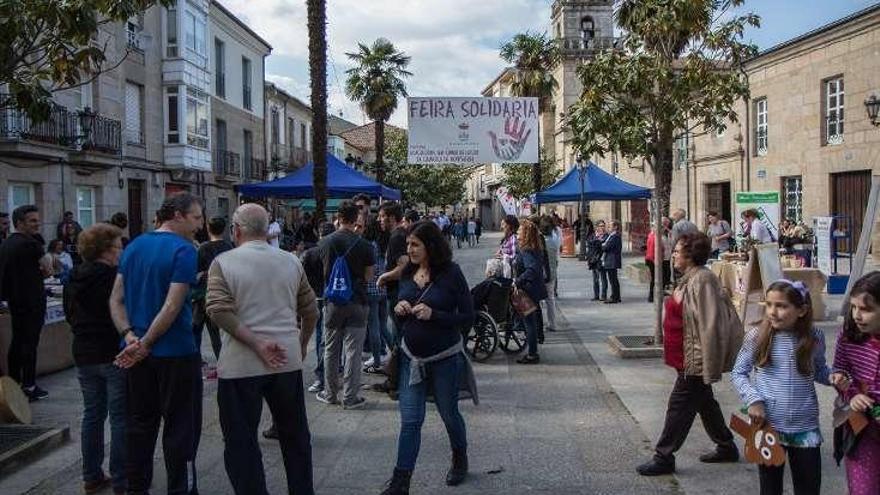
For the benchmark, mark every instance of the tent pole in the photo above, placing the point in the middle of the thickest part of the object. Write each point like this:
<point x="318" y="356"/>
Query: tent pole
<point x="659" y="290"/>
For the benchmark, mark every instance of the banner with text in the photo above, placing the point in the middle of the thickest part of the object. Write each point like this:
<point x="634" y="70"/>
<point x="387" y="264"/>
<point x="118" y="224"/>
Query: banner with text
<point x="469" y="131"/>
<point x="767" y="206"/>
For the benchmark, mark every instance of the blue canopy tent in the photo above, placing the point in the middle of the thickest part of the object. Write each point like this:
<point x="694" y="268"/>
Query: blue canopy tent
<point x="598" y="185"/>
<point x="342" y="182"/>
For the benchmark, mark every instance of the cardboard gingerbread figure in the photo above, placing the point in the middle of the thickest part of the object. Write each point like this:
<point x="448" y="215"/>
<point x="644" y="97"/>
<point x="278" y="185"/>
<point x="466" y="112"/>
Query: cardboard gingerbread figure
<point x="762" y="443"/>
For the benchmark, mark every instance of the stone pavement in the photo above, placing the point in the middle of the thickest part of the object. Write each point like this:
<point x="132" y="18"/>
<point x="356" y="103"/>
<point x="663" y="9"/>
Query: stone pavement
<point x="557" y="427"/>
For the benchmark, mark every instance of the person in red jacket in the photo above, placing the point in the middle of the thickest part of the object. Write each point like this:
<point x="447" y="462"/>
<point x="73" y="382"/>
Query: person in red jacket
<point x="664" y="251"/>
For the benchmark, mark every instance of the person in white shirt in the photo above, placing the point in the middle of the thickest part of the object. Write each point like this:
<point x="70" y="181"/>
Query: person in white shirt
<point x="274" y="235"/>
<point x="472" y="232"/>
<point x="755" y="228"/>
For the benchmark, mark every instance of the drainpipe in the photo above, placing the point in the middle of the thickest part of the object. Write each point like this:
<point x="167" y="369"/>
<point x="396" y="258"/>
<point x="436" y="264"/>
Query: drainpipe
<point x="747" y="180"/>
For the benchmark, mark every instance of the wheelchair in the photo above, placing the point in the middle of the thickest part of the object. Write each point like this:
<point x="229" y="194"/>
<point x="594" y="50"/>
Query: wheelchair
<point x="495" y="325"/>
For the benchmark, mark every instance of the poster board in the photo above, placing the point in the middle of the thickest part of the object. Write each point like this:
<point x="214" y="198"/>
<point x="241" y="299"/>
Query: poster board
<point x="767" y="206"/>
<point x="823" y="244"/>
<point x="469" y="131"/>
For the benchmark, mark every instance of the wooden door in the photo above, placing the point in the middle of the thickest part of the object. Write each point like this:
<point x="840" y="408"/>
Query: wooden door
<point x="135" y="207"/>
<point x="849" y="197"/>
<point x="718" y="199"/>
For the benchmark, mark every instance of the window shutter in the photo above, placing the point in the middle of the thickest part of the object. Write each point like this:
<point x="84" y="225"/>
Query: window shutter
<point x="133" y="112"/>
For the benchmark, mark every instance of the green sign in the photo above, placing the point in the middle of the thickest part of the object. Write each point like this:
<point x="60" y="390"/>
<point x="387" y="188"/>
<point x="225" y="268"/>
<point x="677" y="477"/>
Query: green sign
<point x="757" y="197"/>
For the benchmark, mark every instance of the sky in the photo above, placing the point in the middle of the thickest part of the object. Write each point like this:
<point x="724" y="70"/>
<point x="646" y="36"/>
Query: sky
<point x="454" y="43"/>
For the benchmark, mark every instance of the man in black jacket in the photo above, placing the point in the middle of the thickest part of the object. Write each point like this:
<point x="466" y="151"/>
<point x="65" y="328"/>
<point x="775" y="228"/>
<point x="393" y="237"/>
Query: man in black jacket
<point x="21" y="285"/>
<point x="612" y="256"/>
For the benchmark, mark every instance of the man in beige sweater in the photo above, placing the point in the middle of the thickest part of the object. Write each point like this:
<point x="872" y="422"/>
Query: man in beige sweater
<point x="262" y="300"/>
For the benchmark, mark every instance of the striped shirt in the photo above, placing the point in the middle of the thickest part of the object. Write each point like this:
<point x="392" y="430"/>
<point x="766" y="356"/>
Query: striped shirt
<point x="862" y="363"/>
<point x="789" y="398"/>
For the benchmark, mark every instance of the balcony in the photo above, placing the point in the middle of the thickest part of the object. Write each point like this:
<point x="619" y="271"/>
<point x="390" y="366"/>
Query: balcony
<point x="581" y="47"/>
<point x="227" y="165"/>
<point x="254" y="169"/>
<point x="81" y="137"/>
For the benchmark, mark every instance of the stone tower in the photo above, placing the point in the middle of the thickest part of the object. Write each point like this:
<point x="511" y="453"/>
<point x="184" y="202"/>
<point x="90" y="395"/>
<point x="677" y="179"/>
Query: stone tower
<point x="582" y="27"/>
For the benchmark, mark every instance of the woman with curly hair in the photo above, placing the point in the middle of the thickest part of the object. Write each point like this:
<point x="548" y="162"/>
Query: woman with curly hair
<point x="528" y="269"/>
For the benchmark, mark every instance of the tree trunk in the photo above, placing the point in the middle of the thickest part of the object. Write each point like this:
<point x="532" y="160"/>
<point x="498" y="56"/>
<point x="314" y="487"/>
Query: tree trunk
<point x="663" y="155"/>
<point x="380" y="151"/>
<point x="317" y="24"/>
<point x="536" y="176"/>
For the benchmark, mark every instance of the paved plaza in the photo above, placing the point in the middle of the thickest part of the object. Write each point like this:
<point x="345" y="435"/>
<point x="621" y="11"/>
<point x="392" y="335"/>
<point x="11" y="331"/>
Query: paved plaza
<point x="578" y="423"/>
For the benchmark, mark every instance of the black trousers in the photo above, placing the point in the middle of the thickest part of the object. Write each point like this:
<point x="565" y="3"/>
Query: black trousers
<point x="241" y="405"/>
<point x="164" y="389"/>
<point x="806" y="473"/>
<point x="666" y="276"/>
<point x="690" y="396"/>
<point x="200" y="321"/>
<point x="614" y="282"/>
<point x="22" y="358"/>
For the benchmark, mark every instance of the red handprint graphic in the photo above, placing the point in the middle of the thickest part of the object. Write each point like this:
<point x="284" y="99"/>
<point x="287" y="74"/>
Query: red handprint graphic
<point x="510" y="146"/>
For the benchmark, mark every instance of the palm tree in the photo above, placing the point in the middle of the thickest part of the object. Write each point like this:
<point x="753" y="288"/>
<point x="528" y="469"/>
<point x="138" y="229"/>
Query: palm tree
<point x="317" y="25"/>
<point x="376" y="82"/>
<point x="533" y="57"/>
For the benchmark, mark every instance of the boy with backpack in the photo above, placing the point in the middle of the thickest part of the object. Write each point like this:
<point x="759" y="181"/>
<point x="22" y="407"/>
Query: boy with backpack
<point x="348" y="264"/>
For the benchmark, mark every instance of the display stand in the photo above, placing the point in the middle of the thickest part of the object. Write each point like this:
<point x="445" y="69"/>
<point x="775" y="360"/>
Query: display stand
<point x="762" y="269"/>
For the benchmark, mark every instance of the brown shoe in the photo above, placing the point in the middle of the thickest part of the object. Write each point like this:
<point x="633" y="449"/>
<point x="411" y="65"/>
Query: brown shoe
<point x="96" y="486"/>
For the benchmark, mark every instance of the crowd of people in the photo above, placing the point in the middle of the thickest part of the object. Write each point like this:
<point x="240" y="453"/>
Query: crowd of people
<point x="384" y="283"/>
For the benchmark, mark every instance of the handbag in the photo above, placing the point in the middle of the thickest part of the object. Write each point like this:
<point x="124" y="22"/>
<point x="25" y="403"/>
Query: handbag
<point x="522" y="303"/>
<point x="392" y="366"/>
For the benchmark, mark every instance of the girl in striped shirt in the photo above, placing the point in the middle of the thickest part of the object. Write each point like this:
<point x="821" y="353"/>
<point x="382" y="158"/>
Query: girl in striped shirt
<point x="858" y="359"/>
<point x="788" y="355"/>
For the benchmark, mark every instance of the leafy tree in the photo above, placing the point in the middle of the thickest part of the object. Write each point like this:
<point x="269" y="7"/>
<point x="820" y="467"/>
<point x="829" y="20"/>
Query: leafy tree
<point x="518" y="177"/>
<point x="428" y="185"/>
<point x="376" y="82"/>
<point x="533" y="57"/>
<point x="317" y="25"/>
<point x="49" y="45"/>
<point x="680" y="69"/>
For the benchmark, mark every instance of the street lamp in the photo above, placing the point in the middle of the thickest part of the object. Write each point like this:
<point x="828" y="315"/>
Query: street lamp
<point x="582" y="166"/>
<point x="872" y="105"/>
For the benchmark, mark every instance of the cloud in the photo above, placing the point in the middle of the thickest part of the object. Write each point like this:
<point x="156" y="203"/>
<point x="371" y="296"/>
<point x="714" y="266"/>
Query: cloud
<point x="453" y="44"/>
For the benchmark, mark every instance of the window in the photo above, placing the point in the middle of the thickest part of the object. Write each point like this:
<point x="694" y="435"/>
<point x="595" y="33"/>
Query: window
<point x="19" y="195"/>
<point x="588" y="29"/>
<point x="173" y="116"/>
<point x="196" y="118"/>
<point x="248" y="154"/>
<point x="221" y="135"/>
<point x="85" y="206"/>
<point x="195" y="33"/>
<point x="681" y="150"/>
<point x="291" y="132"/>
<point x="219" y="68"/>
<point x="82" y="96"/>
<point x="223" y="207"/>
<point x="834" y="111"/>
<point x="302" y="136"/>
<point x="275" y="123"/>
<point x="792" y="198"/>
<point x="761" y="140"/>
<point x="133" y="28"/>
<point x="134" y="115"/>
<point x="246" y="83"/>
<point x="171" y="32"/>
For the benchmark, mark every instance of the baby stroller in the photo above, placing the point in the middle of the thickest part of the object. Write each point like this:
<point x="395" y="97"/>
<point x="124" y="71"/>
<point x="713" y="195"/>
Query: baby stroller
<point x="496" y="323"/>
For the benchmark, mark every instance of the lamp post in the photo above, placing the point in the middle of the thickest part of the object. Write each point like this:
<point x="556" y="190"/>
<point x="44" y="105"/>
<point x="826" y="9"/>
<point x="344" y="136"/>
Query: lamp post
<point x="582" y="166"/>
<point x="872" y="105"/>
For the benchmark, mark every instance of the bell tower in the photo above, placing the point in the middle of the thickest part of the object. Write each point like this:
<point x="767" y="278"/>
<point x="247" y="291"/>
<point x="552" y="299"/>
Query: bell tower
<point x="582" y="28"/>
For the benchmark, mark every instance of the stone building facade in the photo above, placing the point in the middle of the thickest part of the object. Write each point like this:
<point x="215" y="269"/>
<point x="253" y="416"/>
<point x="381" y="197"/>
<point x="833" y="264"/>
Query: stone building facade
<point x="289" y="131"/>
<point x="143" y="130"/>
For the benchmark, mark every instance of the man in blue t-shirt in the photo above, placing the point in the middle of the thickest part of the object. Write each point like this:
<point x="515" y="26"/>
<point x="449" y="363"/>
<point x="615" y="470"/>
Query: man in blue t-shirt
<point x="152" y="309"/>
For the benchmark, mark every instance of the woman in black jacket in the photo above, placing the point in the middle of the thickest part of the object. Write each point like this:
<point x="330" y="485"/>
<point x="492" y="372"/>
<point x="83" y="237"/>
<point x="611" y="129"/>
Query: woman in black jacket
<point x="434" y="304"/>
<point x="529" y="277"/>
<point x="594" y="261"/>
<point x="95" y="345"/>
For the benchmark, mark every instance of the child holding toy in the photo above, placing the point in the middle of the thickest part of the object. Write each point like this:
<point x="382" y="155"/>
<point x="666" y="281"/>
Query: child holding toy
<point x="857" y="358"/>
<point x="787" y="354"/>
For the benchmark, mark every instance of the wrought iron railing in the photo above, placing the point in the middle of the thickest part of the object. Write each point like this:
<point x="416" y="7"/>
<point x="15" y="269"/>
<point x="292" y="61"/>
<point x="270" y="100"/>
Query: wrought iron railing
<point x="257" y="169"/>
<point x="298" y="158"/>
<point x="572" y="44"/>
<point x="227" y="163"/>
<point x="81" y="129"/>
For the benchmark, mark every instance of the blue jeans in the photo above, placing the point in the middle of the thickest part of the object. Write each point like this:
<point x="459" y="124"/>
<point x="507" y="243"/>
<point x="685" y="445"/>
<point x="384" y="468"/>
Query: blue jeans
<point x="442" y="379"/>
<point x="531" y="323"/>
<point x="319" y="342"/>
<point x="377" y="328"/>
<point x="104" y="390"/>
